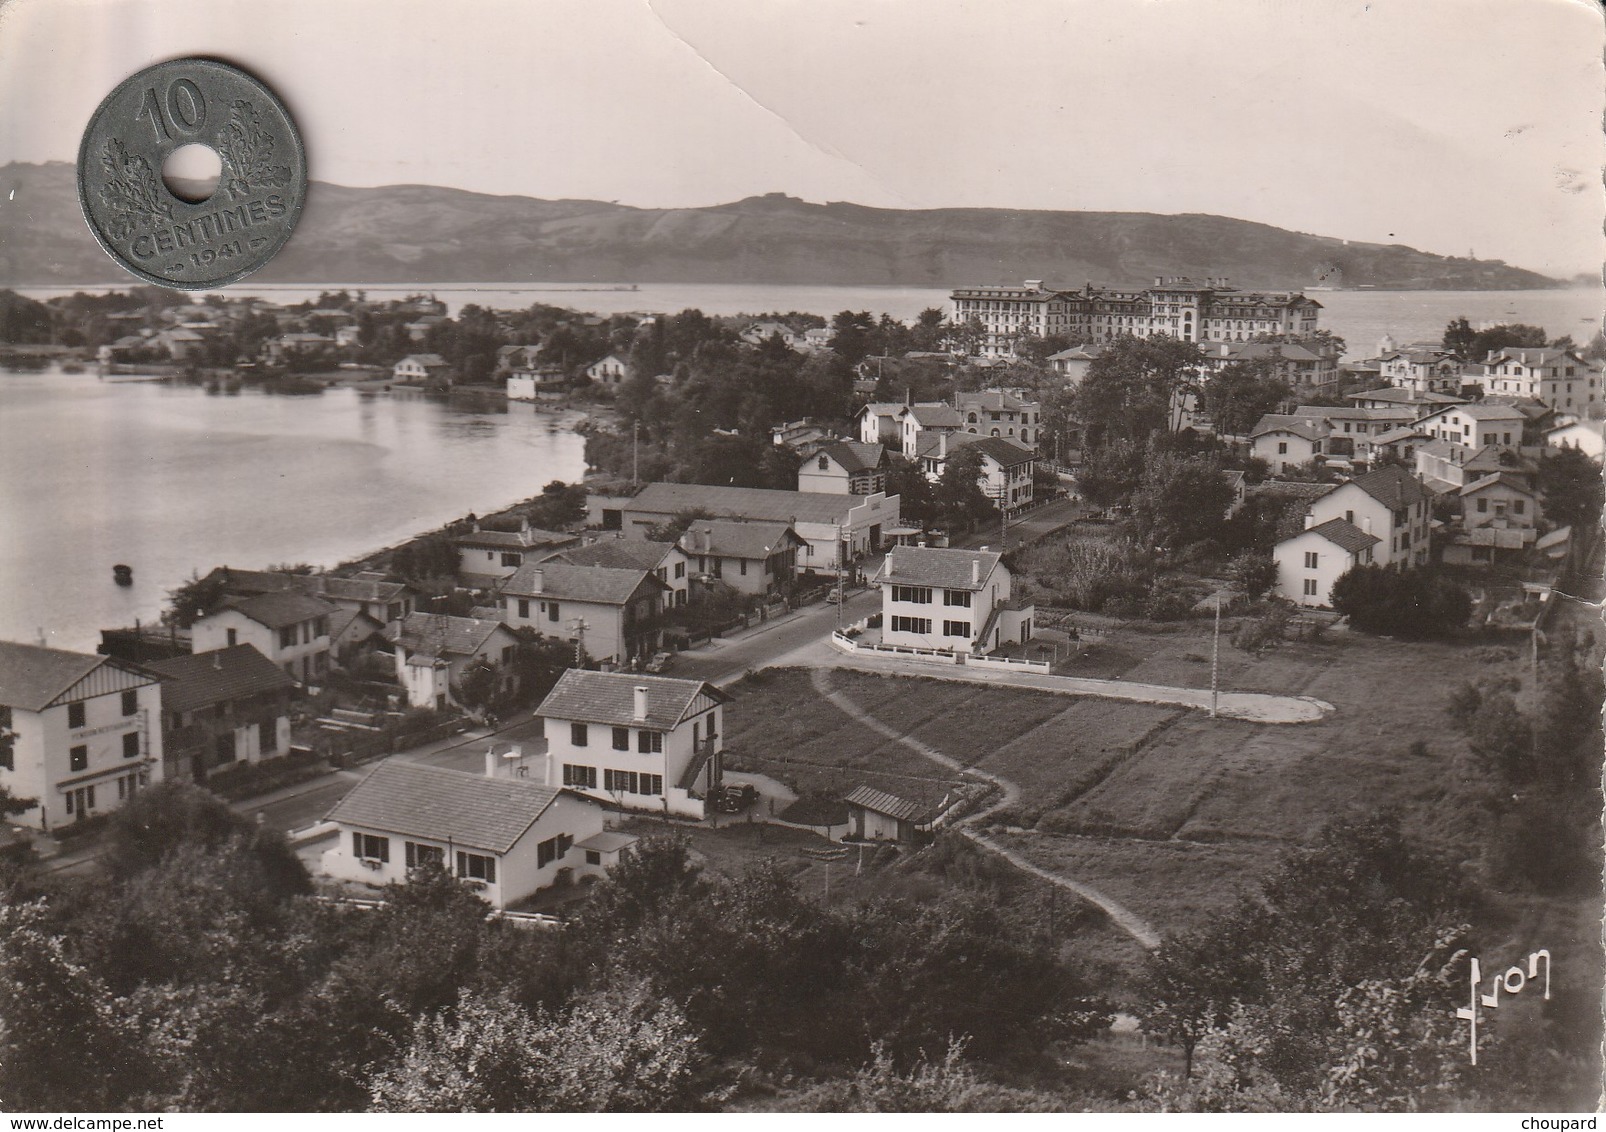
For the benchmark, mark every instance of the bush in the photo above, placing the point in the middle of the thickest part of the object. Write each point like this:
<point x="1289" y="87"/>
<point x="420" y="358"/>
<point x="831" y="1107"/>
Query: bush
<point x="1412" y="604"/>
<point x="1253" y="574"/>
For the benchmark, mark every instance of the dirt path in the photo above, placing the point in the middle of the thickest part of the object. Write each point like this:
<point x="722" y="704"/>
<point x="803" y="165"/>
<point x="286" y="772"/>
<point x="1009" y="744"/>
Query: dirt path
<point x="1129" y="921"/>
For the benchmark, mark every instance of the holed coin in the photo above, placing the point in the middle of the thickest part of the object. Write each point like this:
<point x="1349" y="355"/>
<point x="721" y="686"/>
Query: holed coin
<point x="161" y="237"/>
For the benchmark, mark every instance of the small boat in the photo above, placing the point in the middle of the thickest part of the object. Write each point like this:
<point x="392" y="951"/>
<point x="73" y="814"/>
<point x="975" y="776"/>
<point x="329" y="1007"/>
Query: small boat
<point x="123" y="575"/>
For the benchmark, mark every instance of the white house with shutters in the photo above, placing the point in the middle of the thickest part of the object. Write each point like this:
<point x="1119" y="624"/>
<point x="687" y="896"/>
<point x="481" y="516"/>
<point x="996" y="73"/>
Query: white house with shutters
<point x="1310" y="562"/>
<point x="79" y="734"/>
<point x="1389" y="503"/>
<point x="955" y="600"/>
<point x="290" y="629"/>
<point x="641" y="742"/>
<point x="507" y="835"/>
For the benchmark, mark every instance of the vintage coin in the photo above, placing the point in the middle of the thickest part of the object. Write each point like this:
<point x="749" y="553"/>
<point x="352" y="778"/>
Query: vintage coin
<point x="156" y="234"/>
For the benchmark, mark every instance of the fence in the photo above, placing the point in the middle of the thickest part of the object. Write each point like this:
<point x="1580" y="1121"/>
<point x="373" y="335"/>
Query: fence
<point x="844" y="643"/>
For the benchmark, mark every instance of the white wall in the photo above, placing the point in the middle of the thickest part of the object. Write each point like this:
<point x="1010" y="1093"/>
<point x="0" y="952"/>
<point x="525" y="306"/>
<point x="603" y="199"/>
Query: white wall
<point x="598" y="752"/>
<point x="982" y="603"/>
<point x="1331" y="563"/>
<point x="604" y="637"/>
<point x="42" y="754"/>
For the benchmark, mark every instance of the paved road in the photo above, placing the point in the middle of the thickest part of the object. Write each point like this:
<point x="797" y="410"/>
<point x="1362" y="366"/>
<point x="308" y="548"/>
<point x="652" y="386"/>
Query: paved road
<point x="725" y="661"/>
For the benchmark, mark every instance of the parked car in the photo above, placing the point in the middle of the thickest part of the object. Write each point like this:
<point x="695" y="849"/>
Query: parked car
<point x="734" y="799"/>
<point x="659" y="661"/>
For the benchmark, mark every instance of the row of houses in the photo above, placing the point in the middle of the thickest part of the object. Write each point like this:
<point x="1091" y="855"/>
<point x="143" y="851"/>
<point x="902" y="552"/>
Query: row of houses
<point x="1384" y="517"/>
<point x="1556" y="377"/>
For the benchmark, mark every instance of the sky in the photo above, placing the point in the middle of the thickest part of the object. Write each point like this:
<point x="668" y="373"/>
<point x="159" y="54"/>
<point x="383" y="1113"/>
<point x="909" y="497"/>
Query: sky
<point x="1448" y="125"/>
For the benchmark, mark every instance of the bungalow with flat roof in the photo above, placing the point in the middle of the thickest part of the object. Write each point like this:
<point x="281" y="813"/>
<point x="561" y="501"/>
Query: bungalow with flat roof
<point x="612" y="614"/>
<point x="508" y="837"/>
<point x="221" y="708"/>
<point x="641" y="742"/>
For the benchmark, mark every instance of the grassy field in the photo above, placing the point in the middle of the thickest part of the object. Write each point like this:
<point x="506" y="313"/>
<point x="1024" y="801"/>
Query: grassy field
<point x="1168" y="811"/>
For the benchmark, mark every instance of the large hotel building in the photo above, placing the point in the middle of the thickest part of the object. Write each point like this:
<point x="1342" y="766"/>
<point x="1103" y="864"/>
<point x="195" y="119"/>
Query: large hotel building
<point x="1212" y="311"/>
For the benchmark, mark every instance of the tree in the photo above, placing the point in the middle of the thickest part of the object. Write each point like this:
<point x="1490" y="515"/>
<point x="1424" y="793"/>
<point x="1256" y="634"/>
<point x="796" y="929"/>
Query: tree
<point x="65" y="1042"/>
<point x="1239" y="394"/>
<point x="559" y="506"/>
<point x="1112" y="472"/>
<point x="1335" y="916"/>
<point x="959" y="497"/>
<point x="1571" y="485"/>
<point x="1133" y="387"/>
<point x="1253" y="574"/>
<point x="677" y="524"/>
<point x="853" y="336"/>
<point x="917" y="501"/>
<point x="172" y="815"/>
<point x="197" y="597"/>
<point x="1411" y="603"/>
<point x="611" y="1052"/>
<point x="1188" y="987"/>
<point x="1516" y="335"/>
<point x="1459" y="338"/>
<point x="1180" y="501"/>
<point x="477" y="687"/>
<point x="929" y="330"/>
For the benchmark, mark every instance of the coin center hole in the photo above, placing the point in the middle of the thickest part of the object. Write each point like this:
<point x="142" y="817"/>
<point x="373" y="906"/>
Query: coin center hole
<point x="191" y="172"/>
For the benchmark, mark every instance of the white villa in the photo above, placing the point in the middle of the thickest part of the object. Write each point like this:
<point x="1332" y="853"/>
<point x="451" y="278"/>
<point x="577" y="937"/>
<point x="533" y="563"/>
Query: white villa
<point x="642" y="742"/>
<point x="955" y="600"/>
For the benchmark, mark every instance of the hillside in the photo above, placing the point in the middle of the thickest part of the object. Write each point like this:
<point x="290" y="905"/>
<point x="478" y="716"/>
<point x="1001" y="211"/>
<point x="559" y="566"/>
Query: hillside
<point x="426" y="234"/>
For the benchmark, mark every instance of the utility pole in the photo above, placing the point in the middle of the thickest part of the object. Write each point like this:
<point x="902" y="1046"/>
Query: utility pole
<point x="841" y="578"/>
<point x="1215" y="661"/>
<point x="578" y="626"/>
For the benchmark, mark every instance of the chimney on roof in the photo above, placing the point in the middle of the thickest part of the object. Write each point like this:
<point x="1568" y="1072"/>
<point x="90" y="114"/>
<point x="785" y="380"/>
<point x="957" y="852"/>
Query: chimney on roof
<point x="490" y="761"/>
<point x="975" y="571"/>
<point x="641" y="702"/>
<point x="1034" y="284"/>
<point x="1366" y="523"/>
<point x="217" y="660"/>
<point x="942" y="445"/>
<point x="537" y="578"/>
<point x="1310" y="520"/>
<point x="524" y="524"/>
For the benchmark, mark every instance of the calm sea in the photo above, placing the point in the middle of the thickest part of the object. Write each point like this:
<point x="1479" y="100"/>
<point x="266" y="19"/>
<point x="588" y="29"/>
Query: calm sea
<point x="1361" y="318"/>
<point x="170" y="480"/>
